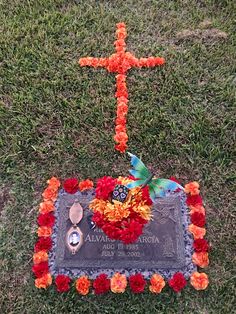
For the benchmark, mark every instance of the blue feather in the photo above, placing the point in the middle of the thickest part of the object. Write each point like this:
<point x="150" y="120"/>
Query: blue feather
<point x="139" y="166"/>
<point x="166" y="184"/>
<point x="134" y="184"/>
<point x="136" y="174"/>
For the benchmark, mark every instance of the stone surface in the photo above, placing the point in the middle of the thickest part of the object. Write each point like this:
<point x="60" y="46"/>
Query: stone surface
<point x="163" y="247"/>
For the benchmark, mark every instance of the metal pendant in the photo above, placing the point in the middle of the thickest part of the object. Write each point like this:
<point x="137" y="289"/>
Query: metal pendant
<point x="76" y="213"/>
<point x="74" y="237"/>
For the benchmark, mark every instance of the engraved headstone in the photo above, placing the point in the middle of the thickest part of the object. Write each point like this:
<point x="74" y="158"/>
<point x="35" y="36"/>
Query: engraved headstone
<point x="163" y="247"/>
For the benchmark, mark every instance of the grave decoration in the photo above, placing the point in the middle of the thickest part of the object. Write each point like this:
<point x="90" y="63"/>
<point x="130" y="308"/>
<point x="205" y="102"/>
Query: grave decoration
<point x="131" y="233"/>
<point x="120" y="62"/>
<point x="122" y="206"/>
<point x="74" y="251"/>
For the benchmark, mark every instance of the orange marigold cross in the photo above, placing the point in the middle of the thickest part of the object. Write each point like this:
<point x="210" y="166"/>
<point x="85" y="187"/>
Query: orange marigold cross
<point x="120" y="62"/>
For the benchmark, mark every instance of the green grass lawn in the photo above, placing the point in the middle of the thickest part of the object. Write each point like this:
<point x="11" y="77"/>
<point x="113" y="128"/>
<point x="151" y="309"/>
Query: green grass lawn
<point x="57" y="119"/>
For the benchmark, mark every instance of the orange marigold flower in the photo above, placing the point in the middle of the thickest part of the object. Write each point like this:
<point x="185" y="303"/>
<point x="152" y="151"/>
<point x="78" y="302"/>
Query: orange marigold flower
<point x="121" y="33"/>
<point x="44" y="281"/>
<point x="153" y="61"/>
<point x="82" y="285"/>
<point x="159" y="61"/>
<point x="120" y="25"/>
<point x="95" y="62"/>
<point x="130" y="58"/>
<point x="120" y="128"/>
<point x="120" y="78"/>
<point x="54" y="183"/>
<point x="118" y="283"/>
<point x="121" y="147"/>
<point x="122" y="109"/>
<point x="120" y="49"/>
<point x="122" y="99"/>
<point x="85" y="61"/>
<point x="85" y="185"/>
<point x="124" y="180"/>
<point x="116" y="211"/>
<point x="49" y="194"/>
<point x="121" y="120"/>
<point x="197" y="209"/>
<point x="157" y="283"/>
<point x="192" y="188"/>
<point x="121" y="116"/>
<point x="121" y="91"/>
<point x="143" y="210"/>
<point x="46" y="207"/>
<point x="121" y="86"/>
<point x="197" y="232"/>
<point x="120" y="45"/>
<point x="142" y="62"/>
<point x="98" y="205"/>
<point x="199" y="280"/>
<point x="44" y="231"/>
<point x="41" y="256"/>
<point x="121" y="137"/>
<point x="102" y="62"/>
<point x="201" y="259"/>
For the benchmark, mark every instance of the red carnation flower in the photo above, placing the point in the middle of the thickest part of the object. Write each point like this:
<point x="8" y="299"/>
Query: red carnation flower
<point x="132" y="178"/>
<point x="111" y="230"/>
<point x="98" y="219"/>
<point x="71" y="185"/>
<point x="105" y="186"/>
<point x="134" y="216"/>
<point x="40" y="269"/>
<point x="146" y="195"/>
<point x="46" y="220"/>
<point x="101" y="284"/>
<point x="137" y="283"/>
<point x="201" y="245"/>
<point x="131" y="232"/>
<point x="43" y="244"/>
<point x="177" y="282"/>
<point x="140" y="220"/>
<point x="198" y="219"/>
<point x="194" y="200"/>
<point x="174" y="179"/>
<point x="63" y="283"/>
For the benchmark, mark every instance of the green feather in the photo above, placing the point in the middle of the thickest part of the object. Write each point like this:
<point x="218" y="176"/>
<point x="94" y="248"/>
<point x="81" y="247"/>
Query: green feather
<point x="152" y="193"/>
<point x="158" y="191"/>
<point x="157" y="187"/>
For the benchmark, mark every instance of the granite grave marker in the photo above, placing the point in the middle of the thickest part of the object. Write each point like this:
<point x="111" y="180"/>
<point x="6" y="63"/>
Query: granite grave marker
<point x="164" y="247"/>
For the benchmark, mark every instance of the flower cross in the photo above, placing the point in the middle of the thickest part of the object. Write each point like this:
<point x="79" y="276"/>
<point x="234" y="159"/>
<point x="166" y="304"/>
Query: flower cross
<point x="120" y="62"/>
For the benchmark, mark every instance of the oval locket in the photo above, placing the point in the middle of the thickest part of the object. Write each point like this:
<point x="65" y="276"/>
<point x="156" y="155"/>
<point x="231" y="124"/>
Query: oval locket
<point x="74" y="236"/>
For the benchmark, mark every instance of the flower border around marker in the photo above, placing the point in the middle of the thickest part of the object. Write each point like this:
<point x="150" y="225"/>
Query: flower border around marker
<point x="118" y="283"/>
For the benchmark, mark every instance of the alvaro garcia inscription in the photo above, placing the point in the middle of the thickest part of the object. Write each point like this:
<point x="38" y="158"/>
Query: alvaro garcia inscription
<point x="104" y="238"/>
<point x="111" y="248"/>
<point x="161" y="246"/>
